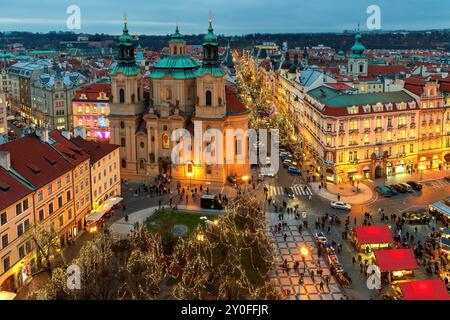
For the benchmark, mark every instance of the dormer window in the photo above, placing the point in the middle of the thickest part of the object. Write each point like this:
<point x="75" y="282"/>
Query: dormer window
<point x="353" y="110"/>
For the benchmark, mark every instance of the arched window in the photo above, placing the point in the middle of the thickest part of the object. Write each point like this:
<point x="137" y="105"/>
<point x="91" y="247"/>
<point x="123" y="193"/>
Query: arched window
<point x="167" y="94"/>
<point x="142" y="164"/>
<point x="361" y="68"/>
<point x="139" y="93"/>
<point x="124" y="163"/>
<point x="208" y="98"/>
<point x="165" y="141"/>
<point x="122" y="96"/>
<point x="122" y="124"/>
<point x="175" y="50"/>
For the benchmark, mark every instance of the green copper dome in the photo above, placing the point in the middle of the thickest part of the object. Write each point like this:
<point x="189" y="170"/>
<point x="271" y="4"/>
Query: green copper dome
<point x="358" y="47"/>
<point x="126" y="39"/>
<point x="210" y="37"/>
<point x="177" y="36"/>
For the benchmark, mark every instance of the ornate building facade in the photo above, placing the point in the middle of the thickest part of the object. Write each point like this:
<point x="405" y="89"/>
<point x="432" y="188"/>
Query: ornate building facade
<point x="185" y="94"/>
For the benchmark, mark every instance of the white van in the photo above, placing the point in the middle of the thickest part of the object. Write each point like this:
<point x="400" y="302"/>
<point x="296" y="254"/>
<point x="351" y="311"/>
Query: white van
<point x="407" y="187"/>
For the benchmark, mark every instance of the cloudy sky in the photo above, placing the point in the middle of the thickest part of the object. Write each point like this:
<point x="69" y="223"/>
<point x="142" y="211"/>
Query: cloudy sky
<point x="230" y="16"/>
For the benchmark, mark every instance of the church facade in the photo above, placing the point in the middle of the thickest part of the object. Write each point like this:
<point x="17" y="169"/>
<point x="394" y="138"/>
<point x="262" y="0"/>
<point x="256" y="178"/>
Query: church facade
<point x="185" y="94"/>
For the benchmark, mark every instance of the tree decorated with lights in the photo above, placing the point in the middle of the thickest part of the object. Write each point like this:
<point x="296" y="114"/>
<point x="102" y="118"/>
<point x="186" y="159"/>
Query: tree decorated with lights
<point x="229" y="259"/>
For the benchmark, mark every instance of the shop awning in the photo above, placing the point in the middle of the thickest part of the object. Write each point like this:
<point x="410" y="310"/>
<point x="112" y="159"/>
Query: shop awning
<point x="424" y="290"/>
<point x="373" y="234"/>
<point x="446" y="231"/>
<point x="103" y="209"/>
<point x="441" y="208"/>
<point x="5" y="295"/>
<point x="351" y="170"/>
<point x="444" y="242"/>
<point x="366" y="168"/>
<point x="395" y="260"/>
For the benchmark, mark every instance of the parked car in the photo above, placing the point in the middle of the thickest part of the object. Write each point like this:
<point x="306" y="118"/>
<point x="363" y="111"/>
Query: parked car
<point x="340" y="205"/>
<point x="399" y="188"/>
<point x="290" y="192"/>
<point x="416" y="186"/>
<point x="294" y="170"/>
<point x="416" y="217"/>
<point x="407" y="187"/>
<point x="320" y="237"/>
<point x="393" y="191"/>
<point x="384" y="191"/>
<point x="287" y="163"/>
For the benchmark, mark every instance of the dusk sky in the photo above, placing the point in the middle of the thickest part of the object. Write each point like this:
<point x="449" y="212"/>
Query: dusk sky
<point x="230" y="16"/>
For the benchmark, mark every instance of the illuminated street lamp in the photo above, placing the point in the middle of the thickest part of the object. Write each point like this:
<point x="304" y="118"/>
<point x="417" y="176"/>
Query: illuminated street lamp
<point x="421" y="168"/>
<point x="357" y="178"/>
<point x="190" y="173"/>
<point x="304" y="252"/>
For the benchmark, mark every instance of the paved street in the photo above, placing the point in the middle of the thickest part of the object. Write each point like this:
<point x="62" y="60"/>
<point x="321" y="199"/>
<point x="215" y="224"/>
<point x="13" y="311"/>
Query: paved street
<point x="433" y="190"/>
<point x="288" y="282"/>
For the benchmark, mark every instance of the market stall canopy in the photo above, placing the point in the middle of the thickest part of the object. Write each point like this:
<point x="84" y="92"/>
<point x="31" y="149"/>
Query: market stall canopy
<point x="395" y="260"/>
<point x="5" y="295"/>
<point x="424" y="290"/>
<point x="444" y="242"/>
<point x="373" y="234"/>
<point x="103" y="209"/>
<point x="446" y="231"/>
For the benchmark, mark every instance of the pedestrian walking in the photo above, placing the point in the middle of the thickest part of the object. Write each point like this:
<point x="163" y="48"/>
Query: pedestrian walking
<point x="321" y="286"/>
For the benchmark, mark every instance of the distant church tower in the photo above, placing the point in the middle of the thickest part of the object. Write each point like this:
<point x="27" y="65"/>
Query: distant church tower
<point x="210" y="80"/>
<point x="357" y="62"/>
<point x="127" y="103"/>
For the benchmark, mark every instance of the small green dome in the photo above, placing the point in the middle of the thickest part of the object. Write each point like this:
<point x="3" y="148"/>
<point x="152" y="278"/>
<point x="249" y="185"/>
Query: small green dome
<point x="210" y="37"/>
<point x="177" y="36"/>
<point x="358" y="47"/>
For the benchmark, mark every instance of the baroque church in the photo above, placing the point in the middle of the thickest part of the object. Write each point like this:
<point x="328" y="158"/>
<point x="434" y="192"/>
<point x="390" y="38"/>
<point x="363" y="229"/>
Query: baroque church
<point x="184" y="92"/>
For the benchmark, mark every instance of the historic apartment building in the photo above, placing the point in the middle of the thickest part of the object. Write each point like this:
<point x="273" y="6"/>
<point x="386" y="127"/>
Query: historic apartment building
<point x="183" y="91"/>
<point x="90" y="106"/>
<point x="350" y="135"/>
<point x="51" y="99"/>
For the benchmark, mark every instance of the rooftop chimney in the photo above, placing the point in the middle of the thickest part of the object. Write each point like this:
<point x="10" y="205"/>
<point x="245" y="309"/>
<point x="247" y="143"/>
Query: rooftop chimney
<point x="66" y="134"/>
<point x="5" y="160"/>
<point x="80" y="132"/>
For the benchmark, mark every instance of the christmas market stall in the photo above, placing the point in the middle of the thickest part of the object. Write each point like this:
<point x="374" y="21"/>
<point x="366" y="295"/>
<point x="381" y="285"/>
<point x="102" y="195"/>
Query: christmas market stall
<point x="396" y="264"/>
<point x="368" y="238"/>
<point x="424" y="290"/>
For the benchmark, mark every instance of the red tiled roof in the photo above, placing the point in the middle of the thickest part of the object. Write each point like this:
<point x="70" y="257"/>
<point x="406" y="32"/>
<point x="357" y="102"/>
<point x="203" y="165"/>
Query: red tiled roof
<point x="234" y="104"/>
<point x="338" y="86"/>
<point x="73" y="153"/>
<point x="11" y="189"/>
<point x="375" y="70"/>
<point x="96" y="150"/>
<point x="395" y="260"/>
<point x="373" y="234"/>
<point x="92" y="91"/>
<point x="424" y="290"/>
<point x="35" y="160"/>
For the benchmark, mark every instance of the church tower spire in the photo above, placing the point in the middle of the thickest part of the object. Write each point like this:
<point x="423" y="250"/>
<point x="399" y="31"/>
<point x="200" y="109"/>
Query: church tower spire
<point x="177" y="44"/>
<point x="210" y="47"/>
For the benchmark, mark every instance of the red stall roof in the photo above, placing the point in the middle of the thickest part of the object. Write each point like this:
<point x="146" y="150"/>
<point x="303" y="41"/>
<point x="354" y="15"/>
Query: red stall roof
<point x="396" y="259"/>
<point x="373" y="234"/>
<point x="424" y="290"/>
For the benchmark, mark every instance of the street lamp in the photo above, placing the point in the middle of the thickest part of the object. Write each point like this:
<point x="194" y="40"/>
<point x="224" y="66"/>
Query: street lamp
<point x="357" y="178"/>
<point x="304" y="252"/>
<point x="190" y="173"/>
<point x="421" y="168"/>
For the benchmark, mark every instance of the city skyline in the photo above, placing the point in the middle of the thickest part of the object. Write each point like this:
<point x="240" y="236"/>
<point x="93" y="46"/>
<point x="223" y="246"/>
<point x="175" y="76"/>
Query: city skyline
<point x="230" y="18"/>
